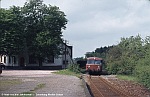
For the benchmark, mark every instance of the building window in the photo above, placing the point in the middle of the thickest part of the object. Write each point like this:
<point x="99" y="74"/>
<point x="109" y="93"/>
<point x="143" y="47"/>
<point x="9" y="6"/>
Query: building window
<point x="14" y="59"/>
<point x="9" y="59"/>
<point x="49" y="59"/>
<point x="5" y="59"/>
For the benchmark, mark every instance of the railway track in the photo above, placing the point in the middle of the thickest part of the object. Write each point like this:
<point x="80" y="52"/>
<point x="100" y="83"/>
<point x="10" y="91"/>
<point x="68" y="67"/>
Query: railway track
<point x="101" y="88"/>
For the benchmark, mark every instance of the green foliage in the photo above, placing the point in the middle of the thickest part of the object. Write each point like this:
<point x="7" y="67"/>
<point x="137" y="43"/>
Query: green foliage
<point x="34" y="29"/>
<point x="127" y="77"/>
<point x="113" y="60"/>
<point x="125" y="55"/>
<point x="142" y="70"/>
<point x="78" y="58"/>
<point x="131" y="57"/>
<point x="68" y="72"/>
<point x="99" y="52"/>
<point x="143" y="75"/>
<point x="10" y="35"/>
<point x="74" y="68"/>
<point x="113" y="68"/>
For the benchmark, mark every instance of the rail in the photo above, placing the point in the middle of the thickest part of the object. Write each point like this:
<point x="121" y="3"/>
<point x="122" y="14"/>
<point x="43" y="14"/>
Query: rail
<point x="102" y="88"/>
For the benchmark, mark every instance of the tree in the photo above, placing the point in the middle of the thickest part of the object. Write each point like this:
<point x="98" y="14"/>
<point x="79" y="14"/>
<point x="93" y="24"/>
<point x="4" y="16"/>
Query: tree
<point x="125" y="55"/>
<point x="113" y="59"/>
<point x="142" y="69"/>
<point x="39" y="29"/>
<point x="46" y="24"/>
<point x="99" y="52"/>
<point x="10" y="36"/>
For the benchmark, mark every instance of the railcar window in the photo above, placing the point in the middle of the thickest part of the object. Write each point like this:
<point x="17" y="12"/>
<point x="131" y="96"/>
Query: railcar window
<point x="97" y="61"/>
<point x="90" y="62"/>
<point x="94" y="62"/>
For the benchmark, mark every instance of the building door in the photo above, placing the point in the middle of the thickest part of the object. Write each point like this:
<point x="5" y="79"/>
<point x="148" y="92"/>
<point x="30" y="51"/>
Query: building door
<point x="22" y="62"/>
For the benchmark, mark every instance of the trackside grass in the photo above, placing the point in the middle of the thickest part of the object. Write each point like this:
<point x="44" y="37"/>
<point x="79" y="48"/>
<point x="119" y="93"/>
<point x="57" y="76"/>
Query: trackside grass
<point x="127" y="77"/>
<point x="72" y="69"/>
<point x="68" y="72"/>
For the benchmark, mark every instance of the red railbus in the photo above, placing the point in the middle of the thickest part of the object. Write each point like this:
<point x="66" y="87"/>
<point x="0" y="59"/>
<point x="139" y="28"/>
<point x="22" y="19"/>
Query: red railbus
<point x="94" y="65"/>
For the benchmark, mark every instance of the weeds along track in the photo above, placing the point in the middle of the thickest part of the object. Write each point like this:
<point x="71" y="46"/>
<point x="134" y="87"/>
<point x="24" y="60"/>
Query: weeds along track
<point x="99" y="87"/>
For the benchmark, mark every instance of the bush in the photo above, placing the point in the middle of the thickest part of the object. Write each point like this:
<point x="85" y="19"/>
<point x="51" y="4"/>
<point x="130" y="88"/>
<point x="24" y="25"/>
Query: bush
<point x="74" y="68"/>
<point x="112" y="68"/>
<point x="122" y="66"/>
<point x="127" y="66"/>
<point x="143" y="75"/>
<point x="142" y="70"/>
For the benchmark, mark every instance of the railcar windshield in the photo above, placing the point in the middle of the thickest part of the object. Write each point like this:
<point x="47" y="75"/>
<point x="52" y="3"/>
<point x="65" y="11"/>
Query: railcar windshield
<point x="97" y="61"/>
<point x="93" y="61"/>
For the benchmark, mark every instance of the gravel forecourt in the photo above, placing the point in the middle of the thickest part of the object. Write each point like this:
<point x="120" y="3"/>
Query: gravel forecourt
<point x="43" y="83"/>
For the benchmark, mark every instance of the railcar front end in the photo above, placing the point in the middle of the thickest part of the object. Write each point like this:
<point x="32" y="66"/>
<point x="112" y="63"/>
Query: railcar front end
<point x="94" y="65"/>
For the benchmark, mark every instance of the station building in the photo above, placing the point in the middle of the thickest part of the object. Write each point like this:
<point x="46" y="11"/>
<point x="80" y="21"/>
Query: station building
<point x="19" y="62"/>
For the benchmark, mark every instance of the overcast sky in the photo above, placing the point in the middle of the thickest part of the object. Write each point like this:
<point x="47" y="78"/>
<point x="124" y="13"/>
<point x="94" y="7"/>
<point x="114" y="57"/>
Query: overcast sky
<point x="96" y="23"/>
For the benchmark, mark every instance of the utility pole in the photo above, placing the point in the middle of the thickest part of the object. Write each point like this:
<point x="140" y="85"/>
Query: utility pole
<point x="65" y="54"/>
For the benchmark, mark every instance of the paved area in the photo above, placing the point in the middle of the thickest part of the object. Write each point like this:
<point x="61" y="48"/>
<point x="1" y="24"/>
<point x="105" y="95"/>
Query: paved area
<point x="42" y="83"/>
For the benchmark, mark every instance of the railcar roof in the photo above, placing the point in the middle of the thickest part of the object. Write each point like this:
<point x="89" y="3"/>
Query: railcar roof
<point x="94" y="58"/>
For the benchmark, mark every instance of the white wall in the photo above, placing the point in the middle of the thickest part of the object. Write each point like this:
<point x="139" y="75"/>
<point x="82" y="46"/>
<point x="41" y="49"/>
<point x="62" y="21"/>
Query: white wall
<point x="7" y="63"/>
<point x="57" y="62"/>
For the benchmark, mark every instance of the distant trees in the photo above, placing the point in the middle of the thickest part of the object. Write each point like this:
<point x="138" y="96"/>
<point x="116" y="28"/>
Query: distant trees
<point x="99" y="52"/>
<point x="34" y="29"/>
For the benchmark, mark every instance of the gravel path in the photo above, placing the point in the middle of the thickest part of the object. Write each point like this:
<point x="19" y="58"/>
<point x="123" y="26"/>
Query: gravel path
<point x="128" y="86"/>
<point x="131" y="87"/>
<point x="43" y="84"/>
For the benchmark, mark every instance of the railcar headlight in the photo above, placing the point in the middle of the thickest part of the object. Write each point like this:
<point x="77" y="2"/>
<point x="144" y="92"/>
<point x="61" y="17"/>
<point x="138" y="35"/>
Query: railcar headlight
<point x="89" y="66"/>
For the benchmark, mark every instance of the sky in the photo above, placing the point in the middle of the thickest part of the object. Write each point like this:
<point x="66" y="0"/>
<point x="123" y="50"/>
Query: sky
<point x="97" y="23"/>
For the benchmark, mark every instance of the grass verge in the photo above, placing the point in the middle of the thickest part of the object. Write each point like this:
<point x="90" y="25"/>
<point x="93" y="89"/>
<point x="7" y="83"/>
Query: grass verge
<point x="127" y="77"/>
<point x="68" y="72"/>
